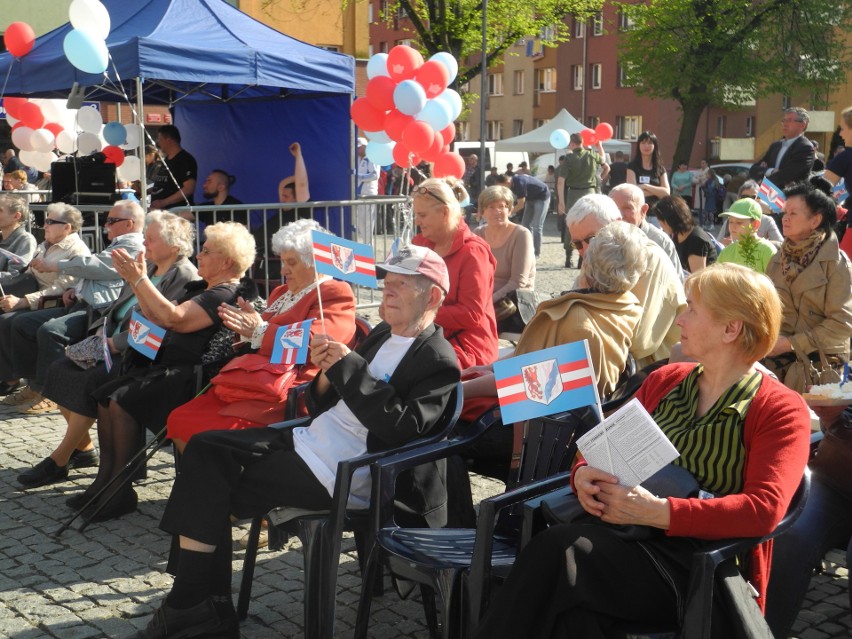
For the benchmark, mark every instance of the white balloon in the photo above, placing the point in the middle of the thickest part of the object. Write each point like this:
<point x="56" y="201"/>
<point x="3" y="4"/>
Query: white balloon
<point x="90" y="16"/>
<point x="29" y="157"/>
<point x="65" y="142"/>
<point x="42" y="161"/>
<point x="42" y="141"/>
<point x="21" y="138"/>
<point x="89" y="119"/>
<point x="131" y="169"/>
<point x="133" y="135"/>
<point x="11" y="121"/>
<point x="88" y="143"/>
<point x="52" y="110"/>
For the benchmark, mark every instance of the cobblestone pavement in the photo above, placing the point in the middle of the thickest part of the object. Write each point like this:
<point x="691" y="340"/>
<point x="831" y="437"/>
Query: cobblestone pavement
<point x="106" y="581"/>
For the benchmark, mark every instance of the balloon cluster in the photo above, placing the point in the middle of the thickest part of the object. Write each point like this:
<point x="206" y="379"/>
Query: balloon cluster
<point x="85" y="45"/>
<point x="560" y="138"/>
<point x="40" y="127"/>
<point x="408" y="112"/>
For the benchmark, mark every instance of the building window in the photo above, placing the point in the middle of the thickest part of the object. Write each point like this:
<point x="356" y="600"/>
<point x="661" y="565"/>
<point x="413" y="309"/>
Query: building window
<point x="462" y="130"/>
<point x="538" y="122"/>
<point x="579" y="28"/>
<point x="622" y="79"/>
<point x="548" y="34"/>
<point x="383" y="47"/>
<point x="494" y="130"/>
<point x="518" y="82"/>
<point x="545" y="80"/>
<point x="749" y="128"/>
<point x="785" y="102"/>
<point x="625" y="22"/>
<point x="495" y="84"/>
<point x="592" y="121"/>
<point x="406" y="42"/>
<point x="577" y="75"/>
<point x="628" y="127"/>
<point x="597" y="24"/>
<point x="517" y="127"/>
<point x="595" y="75"/>
<point x="370" y="17"/>
<point x="720" y="126"/>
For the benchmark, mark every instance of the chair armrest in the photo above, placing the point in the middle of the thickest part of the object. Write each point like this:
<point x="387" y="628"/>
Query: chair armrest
<point x="291" y="423"/>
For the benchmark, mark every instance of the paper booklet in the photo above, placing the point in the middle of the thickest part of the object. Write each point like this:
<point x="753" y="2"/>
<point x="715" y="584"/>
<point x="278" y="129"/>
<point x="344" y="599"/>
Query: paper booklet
<point x="628" y="444"/>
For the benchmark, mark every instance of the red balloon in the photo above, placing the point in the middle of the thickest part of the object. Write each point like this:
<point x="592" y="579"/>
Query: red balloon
<point x="404" y="157"/>
<point x="603" y="131"/>
<point x="54" y="127"/>
<point x="432" y="153"/>
<point x="433" y="77"/>
<point x="114" y="155"/>
<point x="403" y="62"/>
<point x="449" y="165"/>
<point x="449" y="133"/>
<point x="418" y="136"/>
<point x="13" y="106"/>
<point x="19" y="38"/>
<point x="395" y="124"/>
<point x="588" y="137"/>
<point x="445" y="148"/>
<point x="380" y="92"/>
<point x="366" y="116"/>
<point x="31" y="115"/>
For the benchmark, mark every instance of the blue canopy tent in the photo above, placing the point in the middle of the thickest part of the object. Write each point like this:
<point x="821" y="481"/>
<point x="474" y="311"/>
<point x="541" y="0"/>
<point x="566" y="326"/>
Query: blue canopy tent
<point x="240" y="91"/>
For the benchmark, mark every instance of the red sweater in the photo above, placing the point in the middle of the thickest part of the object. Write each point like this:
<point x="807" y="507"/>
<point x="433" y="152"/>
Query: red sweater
<point x="776" y="438"/>
<point x="467" y="315"/>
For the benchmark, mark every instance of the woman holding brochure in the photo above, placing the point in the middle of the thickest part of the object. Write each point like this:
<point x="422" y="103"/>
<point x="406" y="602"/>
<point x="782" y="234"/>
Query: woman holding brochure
<point x="743" y="435"/>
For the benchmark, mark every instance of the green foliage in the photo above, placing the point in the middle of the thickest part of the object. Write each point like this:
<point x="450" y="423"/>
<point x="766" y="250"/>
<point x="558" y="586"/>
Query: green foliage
<point x="748" y="243"/>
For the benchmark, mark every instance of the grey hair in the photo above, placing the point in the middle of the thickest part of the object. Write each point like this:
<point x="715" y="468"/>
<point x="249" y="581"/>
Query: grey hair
<point x="799" y="112"/>
<point x="67" y="214"/>
<point x="631" y="191"/>
<point x="174" y="231"/>
<point x="137" y="213"/>
<point x="748" y="184"/>
<point x="600" y="206"/>
<point x="615" y="259"/>
<point x="296" y="236"/>
<point x="17" y="204"/>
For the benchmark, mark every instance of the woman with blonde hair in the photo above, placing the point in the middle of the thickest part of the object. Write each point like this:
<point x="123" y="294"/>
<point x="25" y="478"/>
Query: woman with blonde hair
<point x="467" y="314"/>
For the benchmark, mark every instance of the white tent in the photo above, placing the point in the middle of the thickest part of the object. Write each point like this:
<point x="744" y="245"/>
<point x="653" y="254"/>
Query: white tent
<point x="538" y="140"/>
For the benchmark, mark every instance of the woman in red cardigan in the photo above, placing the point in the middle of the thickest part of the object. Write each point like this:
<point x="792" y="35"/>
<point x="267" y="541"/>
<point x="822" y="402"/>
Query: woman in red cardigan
<point x="467" y="314"/>
<point x="296" y="300"/>
<point x="743" y="435"/>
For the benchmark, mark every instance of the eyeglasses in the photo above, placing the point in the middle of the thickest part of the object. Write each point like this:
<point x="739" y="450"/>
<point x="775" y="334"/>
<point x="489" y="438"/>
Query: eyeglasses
<point x="206" y="251"/>
<point x="422" y="190"/>
<point x="115" y="220"/>
<point x="578" y="244"/>
<point x="50" y="222"/>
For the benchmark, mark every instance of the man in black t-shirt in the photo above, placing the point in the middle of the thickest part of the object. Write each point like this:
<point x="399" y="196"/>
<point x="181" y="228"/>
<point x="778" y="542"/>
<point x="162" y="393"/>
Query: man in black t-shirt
<point x="168" y="191"/>
<point x="217" y="192"/>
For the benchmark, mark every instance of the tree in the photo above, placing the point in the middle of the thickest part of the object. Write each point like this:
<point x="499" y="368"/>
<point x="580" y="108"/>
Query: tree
<point x="704" y="53"/>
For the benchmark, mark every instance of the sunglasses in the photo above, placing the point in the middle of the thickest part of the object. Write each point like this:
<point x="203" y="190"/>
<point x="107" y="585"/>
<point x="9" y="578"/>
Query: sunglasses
<point x="50" y="222"/>
<point x="422" y="190"/>
<point x="578" y="244"/>
<point x="115" y="220"/>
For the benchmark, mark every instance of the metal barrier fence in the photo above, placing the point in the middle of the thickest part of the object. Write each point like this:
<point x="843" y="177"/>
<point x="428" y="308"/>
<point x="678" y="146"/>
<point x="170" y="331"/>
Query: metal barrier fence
<point x="339" y="216"/>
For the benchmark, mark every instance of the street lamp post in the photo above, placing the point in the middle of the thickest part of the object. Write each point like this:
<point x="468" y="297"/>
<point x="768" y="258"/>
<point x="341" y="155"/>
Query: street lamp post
<point x="484" y="95"/>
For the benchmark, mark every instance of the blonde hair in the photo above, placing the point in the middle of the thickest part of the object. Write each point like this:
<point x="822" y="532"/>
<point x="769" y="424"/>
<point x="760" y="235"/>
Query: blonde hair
<point x="737" y="293"/>
<point x="496" y="193"/>
<point x="234" y="241"/>
<point x="448" y="191"/>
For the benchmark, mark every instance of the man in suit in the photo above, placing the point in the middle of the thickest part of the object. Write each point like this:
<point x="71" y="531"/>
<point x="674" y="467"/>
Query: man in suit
<point x="790" y="159"/>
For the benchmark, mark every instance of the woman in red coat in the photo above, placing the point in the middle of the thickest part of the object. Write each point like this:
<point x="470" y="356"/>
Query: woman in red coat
<point x="743" y="435"/>
<point x="467" y="314"/>
<point x="232" y="405"/>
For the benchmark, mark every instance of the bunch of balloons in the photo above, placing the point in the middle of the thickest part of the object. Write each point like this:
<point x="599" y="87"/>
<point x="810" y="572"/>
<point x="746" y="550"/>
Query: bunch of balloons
<point x="85" y="45"/>
<point x="19" y="38"/>
<point x="408" y="112"/>
<point x="560" y="138"/>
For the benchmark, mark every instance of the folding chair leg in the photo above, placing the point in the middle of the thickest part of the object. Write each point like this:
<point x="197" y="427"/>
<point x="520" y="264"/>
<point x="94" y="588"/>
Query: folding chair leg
<point x="248" y="568"/>
<point x="371" y="571"/>
<point x="310" y="534"/>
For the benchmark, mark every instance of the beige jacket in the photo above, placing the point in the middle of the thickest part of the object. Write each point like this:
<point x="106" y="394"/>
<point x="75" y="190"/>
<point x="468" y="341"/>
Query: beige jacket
<point x="607" y="320"/>
<point x="818" y="305"/>
<point x="56" y="283"/>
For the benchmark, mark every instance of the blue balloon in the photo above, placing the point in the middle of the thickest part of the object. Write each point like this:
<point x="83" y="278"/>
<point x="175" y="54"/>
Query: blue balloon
<point x="86" y="52"/>
<point x="409" y="97"/>
<point x="448" y="61"/>
<point x="377" y="65"/>
<point x="453" y="99"/>
<point x="559" y="139"/>
<point x="377" y="136"/>
<point x="115" y="133"/>
<point x="436" y="114"/>
<point x="379" y="153"/>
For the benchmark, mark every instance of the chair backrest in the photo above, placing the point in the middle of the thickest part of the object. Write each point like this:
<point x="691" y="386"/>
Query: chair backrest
<point x="627" y="388"/>
<point x="362" y="328"/>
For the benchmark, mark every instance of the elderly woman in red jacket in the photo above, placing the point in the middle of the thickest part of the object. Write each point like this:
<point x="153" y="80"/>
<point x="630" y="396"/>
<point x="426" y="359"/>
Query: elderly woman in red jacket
<point x="467" y="315"/>
<point x="743" y="435"/>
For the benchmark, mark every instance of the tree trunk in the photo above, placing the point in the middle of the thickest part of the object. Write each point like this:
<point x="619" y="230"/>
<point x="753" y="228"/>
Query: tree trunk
<point x="689" y="125"/>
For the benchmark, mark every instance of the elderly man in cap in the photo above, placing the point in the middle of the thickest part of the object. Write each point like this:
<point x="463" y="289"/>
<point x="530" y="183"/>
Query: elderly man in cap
<point x="744" y="218"/>
<point x="392" y="389"/>
<point x="367" y="186"/>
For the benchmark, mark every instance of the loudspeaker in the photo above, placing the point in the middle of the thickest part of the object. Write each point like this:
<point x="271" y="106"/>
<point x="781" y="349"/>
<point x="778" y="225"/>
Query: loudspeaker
<point x="78" y="182"/>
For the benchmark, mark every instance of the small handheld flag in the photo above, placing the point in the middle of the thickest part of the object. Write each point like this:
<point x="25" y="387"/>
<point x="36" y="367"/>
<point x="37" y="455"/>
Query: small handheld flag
<point x="344" y="260"/>
<point x="105" y="346"/>
<point x="772" y="195"/>
<point x="545" y="382"/>
<point x="839" y="191"/>
<point x="15" y="259"/>
<point x="292" y="343"/>
<point x="145" y="336"/>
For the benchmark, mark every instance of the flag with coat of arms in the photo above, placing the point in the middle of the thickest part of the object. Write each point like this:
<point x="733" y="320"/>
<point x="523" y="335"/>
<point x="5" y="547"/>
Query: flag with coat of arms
<point x="344" y="259"/>
<point x="145" y="336"/>
<point x="772" y="195"/>
<point x="546" y="382"/>
<point x="292" y="342"/>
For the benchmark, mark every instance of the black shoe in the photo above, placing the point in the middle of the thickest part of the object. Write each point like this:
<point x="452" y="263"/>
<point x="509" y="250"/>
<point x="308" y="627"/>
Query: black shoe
<point x="76" y="502"/>
<point x="229" y="625"/>
<point x="172" y="623"/>
<point x="43" y="473"/>
<point x="84" y="459"/>
<point x="124" y="503"/>
<point x="8" y="388"/>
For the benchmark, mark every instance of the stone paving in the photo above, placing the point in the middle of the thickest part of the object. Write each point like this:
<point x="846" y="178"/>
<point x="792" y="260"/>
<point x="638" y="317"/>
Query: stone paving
<point x="107" y="580"/>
